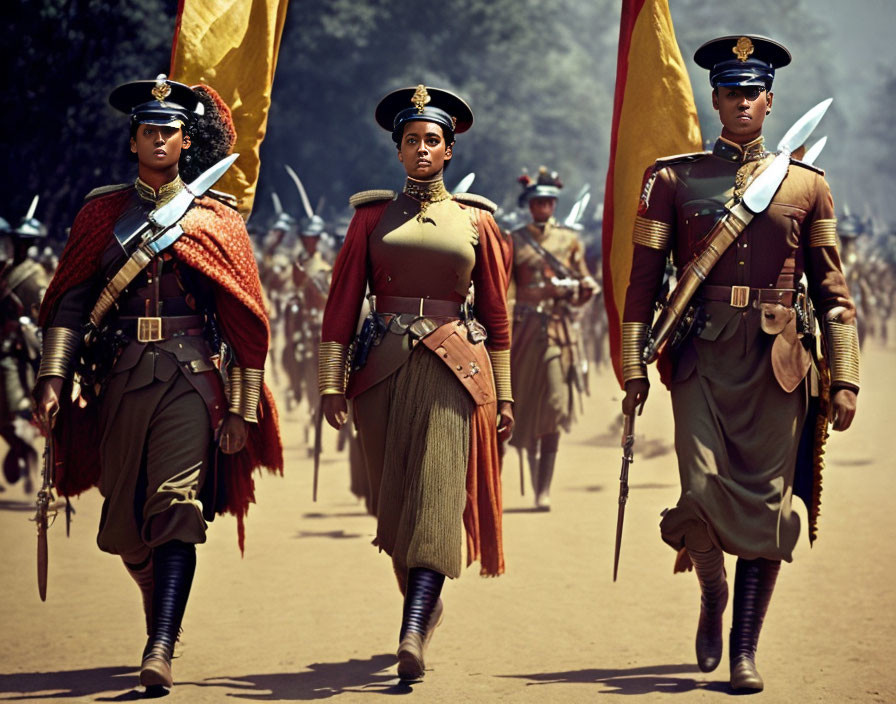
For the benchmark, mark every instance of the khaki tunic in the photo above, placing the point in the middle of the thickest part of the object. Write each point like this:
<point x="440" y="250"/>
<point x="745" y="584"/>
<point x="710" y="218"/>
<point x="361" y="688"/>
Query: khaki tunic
<point x="546" y="352"/>
<point x="737" y="430"/>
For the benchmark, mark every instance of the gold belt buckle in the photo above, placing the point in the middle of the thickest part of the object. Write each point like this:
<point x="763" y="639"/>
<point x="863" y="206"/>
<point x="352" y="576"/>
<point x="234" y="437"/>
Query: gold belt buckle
<point x="740" y="296"/>
<point x="149" y="329"/>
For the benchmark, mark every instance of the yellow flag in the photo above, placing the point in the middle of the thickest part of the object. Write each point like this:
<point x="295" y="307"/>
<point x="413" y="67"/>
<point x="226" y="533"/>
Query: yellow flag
<point x="232" y="46"/>
<point x="653" y="116"/>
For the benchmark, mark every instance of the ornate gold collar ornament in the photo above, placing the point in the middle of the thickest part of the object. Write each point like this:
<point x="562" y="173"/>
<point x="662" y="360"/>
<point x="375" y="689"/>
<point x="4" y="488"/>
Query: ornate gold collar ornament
<point x="426" y="191"/>
<point x="420" y="98"/>
<point x="743" y="49"/>
<point x="161" y="89"/>
<point x="166" y="192"/>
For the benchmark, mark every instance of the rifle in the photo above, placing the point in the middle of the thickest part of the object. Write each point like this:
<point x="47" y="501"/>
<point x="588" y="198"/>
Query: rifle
<point x="519" y="452"/>
<point x="318" y="427"/>
<point x="628" y="442"/>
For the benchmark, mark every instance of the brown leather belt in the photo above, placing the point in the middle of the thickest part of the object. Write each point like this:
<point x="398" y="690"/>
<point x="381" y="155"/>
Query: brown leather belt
<point x="742" y="296"/>
<point x="148" y="329"/>
<point x="429" y="307"/>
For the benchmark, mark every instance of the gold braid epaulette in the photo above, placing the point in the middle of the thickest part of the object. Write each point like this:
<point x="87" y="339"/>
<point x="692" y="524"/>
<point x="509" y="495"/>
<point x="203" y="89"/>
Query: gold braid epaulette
<point x="332" y="372"/>
<point x="245" y="392"/>
<point x="372" y="196"/>
<point x="476" y="201"/>
<point x="500" y="360"/>
<point x="106" y="190"/>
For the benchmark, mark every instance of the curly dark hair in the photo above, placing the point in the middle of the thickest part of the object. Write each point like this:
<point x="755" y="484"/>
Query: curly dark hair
<point x="212" y="135"/>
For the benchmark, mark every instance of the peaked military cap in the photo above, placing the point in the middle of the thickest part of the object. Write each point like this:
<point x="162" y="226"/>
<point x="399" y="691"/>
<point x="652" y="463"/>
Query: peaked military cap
<point x="158" y="102"/>
<point x="419" y="103"/>
<point x="546" y="185"/>
<point x="742" y="60"/>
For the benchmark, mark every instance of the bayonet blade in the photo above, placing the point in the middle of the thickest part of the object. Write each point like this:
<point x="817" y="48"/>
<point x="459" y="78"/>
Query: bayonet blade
<point x="812" y="153"/>
<point x="628" y="443"/>
<point x="168" y="214"/>
<point x="306" y="204"/>
<point x="760" y="193"/>
<point x="797" y="135"/>
<point x="464" y="184"/>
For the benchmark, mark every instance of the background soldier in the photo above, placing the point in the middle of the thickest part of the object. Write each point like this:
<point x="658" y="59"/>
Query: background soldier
<point x="22" y="285"/>
<point x="739" y="382"/>
<point x="549" y="279"/>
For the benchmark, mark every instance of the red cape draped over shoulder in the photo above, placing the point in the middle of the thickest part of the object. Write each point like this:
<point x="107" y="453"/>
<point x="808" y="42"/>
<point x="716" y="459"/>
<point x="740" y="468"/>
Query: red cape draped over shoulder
<point x="483" y="510"/>
<point x="215" y="243"/>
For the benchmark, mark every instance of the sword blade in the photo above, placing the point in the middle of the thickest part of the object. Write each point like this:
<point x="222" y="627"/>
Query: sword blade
<point x="42" y="556"/>
<point x="306" y="203"/>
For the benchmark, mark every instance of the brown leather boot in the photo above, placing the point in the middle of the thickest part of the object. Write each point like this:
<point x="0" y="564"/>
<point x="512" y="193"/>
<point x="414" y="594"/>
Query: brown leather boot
<point x="710" y="568"/>
<point x="754" y="582"/>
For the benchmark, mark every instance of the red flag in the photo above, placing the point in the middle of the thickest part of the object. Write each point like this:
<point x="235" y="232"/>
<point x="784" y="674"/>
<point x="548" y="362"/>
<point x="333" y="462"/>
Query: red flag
<point x="653" y="116"/>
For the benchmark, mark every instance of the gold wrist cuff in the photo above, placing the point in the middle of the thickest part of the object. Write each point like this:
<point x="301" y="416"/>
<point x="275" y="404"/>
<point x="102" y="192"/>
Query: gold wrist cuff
<point x="634" y="336"/>
<point x="501" y="369"/>
<point x="245" y="392"/>
<point x="332" y="372"/>
<point x="651" y="233"/>
<point x="843" y="352"/>
<point x="57" y="352"/>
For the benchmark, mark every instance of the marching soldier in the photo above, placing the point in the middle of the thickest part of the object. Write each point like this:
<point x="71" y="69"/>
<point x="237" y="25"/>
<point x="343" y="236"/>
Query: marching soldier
<point x="740" y="381"/>
<point x="22" y="285"/>
<point x="430" y="383"/>
<point x="311" y="276"/>
<point x="139" y="331"/>
<point x="549" y="282"/>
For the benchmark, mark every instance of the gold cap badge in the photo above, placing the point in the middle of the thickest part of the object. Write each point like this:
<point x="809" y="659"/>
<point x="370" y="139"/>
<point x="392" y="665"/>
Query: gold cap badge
<point x="743" y="48"/>
<point x="161" y="89"/>
<point x="420" y="98"/>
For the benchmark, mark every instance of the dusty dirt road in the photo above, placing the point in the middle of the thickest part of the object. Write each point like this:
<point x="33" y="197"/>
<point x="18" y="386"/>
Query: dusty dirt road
<point x="312" y="611"/>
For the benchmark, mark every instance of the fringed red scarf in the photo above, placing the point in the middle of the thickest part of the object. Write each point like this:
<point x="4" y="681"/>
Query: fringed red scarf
<point x="216" y="244"/>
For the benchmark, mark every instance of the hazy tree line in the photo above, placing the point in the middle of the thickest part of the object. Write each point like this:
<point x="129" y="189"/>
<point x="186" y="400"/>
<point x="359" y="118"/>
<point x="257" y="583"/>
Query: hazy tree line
<point x="538" y="74"/>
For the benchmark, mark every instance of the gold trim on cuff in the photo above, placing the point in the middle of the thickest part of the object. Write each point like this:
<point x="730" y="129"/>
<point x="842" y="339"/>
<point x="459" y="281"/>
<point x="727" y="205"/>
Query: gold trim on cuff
<point x="501" y="369"/>
<point x="843" y="352"/>
<point x="332" y="372"/>
<point x="823" y="233"/>
<point x="652" y="233"/>
<point x="245" y="392"/>
<point x="57" y="352"/>
<point x="634" y="336"/>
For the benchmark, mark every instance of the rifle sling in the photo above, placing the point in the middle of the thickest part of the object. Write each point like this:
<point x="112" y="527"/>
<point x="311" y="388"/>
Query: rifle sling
<point x="129" y="271"/>
<point x="549" y="258"/>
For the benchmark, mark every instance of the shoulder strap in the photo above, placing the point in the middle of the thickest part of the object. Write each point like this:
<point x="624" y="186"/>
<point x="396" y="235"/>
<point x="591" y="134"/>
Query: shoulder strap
<point x="549" y="258"/>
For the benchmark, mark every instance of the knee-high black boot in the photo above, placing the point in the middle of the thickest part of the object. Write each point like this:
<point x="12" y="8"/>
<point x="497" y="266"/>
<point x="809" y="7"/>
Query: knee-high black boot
<point x="422" y="607"/>
<point x="174" y="564"/>
<point x="754" y="582"/>
<point x="710" y="568"/>
<point x="142" y="574"/>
